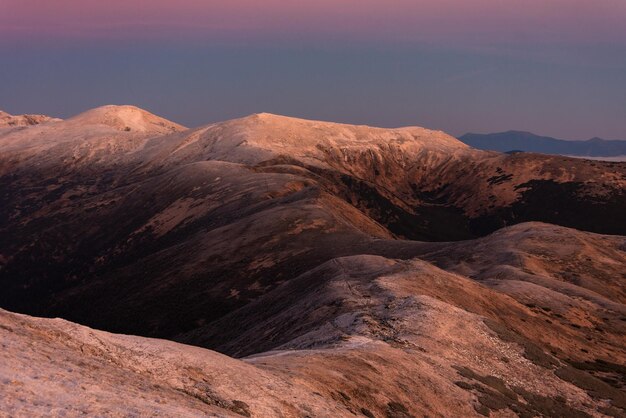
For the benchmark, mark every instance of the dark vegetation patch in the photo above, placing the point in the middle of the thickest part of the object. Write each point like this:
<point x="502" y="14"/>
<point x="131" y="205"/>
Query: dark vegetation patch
<point x="367" y="413"/>
<point x="596" y="388"/>
<point x="491" y="381"/>
<point x="494" y="395"/>
<point x="611" y="373"/>
<point x="464" y="385"/>
<point x="538" y="405"/>
<point x="397" y="410"/>
<point x="344" y="396"/>
<point x="340" y="397"/>
<point x="499" y="179"/>
<point x="566" y="204"/>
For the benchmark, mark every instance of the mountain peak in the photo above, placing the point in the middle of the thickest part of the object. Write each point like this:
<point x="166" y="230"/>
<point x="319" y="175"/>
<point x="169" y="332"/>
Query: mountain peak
<point x="272" y="132"/>
<point x="262" y="137"/>
<point x="520" y="134"/>
<point x="268" y="115"/>
<point x="127" y="118"/>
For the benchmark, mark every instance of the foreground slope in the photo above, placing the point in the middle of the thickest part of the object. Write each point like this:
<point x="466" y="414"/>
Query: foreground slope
<point x="362" y="335"/>
<point x="563" y="329"/>
<point x="54" y="367"/>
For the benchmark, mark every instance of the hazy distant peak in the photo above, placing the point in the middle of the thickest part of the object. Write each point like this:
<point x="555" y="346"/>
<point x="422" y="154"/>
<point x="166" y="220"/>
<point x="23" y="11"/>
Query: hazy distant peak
<point x="512" y="133"/>
<point x="127" y="118"/>
<point x="529" y="142"/>
<point x="520" y="133"/>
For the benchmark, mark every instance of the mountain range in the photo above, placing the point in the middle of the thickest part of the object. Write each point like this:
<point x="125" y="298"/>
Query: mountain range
<point x="275" y="266"/>
<point x="529" y="142"/>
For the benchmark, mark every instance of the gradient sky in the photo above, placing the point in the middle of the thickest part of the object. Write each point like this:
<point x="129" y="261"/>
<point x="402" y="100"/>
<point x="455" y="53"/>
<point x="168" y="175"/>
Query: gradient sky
<point x="554" y="67"/>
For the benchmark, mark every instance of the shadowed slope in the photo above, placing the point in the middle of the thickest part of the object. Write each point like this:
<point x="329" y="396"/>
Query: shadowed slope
<point x="357" y="335"/>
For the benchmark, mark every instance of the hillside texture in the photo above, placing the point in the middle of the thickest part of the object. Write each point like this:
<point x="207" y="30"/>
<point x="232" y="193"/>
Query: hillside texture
<point x="346" y="270"/>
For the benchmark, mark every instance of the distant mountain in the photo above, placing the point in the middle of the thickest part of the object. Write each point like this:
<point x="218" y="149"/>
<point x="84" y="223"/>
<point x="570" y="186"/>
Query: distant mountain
<point x="529" y="142"/>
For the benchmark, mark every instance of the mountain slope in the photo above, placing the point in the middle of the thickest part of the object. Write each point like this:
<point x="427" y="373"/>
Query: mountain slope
<point x="56" y="367"/>
<point x="350" y="269"/>
<point x="364" y="335"/>
<point x="526" y="141"/>
<point x="99" y="224"/>
<point x="423" y="173"/>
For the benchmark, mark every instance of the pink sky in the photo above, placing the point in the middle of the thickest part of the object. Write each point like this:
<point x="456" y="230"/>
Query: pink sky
<point x="555" y="67"/>
<point x="491" y="21"/>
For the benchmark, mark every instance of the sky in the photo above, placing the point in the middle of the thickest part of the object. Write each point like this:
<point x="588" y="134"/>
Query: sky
<point x="553" y="67"/>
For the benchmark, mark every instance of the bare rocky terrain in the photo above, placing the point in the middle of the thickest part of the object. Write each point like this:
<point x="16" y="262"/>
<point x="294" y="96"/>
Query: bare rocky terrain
<point x="345" y="270"/>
